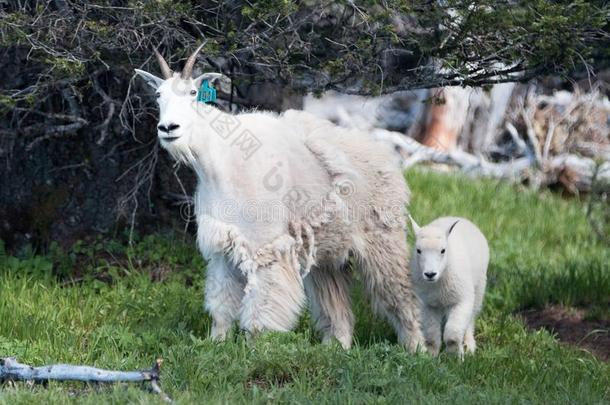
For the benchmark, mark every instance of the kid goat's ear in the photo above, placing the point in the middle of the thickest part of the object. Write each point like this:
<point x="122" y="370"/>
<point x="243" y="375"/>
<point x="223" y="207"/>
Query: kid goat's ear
<point x="416" y="227"/>
<point x="452" y="226"/>
<point x="150" y="79"/>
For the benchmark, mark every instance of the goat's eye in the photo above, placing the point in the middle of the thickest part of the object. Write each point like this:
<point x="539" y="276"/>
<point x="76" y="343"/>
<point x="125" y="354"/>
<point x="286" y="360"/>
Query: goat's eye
<point x="157" y="94"/>
<point x="442" y="251"/>
<point x="193" y="92"/>
<point x="418" y="251"/>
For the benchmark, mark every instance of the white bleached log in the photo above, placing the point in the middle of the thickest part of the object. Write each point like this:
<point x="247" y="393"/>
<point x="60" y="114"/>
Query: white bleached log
<point x="475" y="165"/>
<point x="12" y="370"/>
<point x="576" y="173"/>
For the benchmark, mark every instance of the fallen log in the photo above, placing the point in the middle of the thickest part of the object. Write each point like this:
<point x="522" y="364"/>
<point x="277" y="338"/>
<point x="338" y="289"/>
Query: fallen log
<point x="575" y="173"/>
<point x="12" y="370"/>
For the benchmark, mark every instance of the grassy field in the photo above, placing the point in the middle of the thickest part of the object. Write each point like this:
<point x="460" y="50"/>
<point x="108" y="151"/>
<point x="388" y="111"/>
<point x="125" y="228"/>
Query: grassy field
<point x="131" y="305"/>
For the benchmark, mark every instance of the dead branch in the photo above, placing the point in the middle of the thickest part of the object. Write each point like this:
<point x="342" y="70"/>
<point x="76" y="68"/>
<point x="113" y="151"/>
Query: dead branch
<point x="527" y="112"/>
<point x="574" y="172"/>
<point x="111" y="103"/>
<point x="12" y="370"/>
<point x="144" y="172"/>
<point x="53" y="132"/>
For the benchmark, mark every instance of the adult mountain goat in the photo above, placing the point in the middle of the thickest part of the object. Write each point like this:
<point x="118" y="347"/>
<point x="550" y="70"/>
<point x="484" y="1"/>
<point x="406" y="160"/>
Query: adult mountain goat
<point x="282" y="203"/>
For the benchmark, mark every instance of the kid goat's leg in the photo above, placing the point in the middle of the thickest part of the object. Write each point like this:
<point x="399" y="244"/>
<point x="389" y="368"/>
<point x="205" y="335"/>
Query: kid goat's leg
<point x="432" y="324"/>
<point x="469" y="341"/>
<point x="458" y="320"/>
<point x="224" y="289"/>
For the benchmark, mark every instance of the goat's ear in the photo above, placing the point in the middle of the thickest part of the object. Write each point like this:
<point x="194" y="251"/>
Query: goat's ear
<point x="452" y="226"/>
<point x="416" y="227"/>
<point x="150" y="79"/>
<point x="218" y="80"/>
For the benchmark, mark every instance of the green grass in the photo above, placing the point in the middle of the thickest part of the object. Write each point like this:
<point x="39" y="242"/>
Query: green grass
<point x="543" y="251"/>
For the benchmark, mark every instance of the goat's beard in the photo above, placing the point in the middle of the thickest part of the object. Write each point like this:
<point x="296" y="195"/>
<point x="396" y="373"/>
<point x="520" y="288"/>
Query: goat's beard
<point x="183" y="154"/>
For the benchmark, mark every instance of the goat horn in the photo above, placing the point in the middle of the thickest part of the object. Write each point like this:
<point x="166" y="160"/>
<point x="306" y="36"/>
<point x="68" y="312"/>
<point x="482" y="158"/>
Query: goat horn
<point x="190" y="62"/>
<point x="165" y="70"/>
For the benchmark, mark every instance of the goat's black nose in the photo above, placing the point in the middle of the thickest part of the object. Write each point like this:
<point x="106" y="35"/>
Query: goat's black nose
<point x="430" y="275"/>
<point x="169" y="128"/>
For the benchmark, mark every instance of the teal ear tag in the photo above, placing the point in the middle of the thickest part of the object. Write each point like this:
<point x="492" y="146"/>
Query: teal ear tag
<point x="206" y="93"/>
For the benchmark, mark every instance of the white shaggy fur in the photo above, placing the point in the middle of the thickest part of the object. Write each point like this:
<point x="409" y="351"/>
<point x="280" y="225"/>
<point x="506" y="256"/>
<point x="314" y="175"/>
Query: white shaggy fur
<point x="280" y="223"/>
<point x="449" y="272"/>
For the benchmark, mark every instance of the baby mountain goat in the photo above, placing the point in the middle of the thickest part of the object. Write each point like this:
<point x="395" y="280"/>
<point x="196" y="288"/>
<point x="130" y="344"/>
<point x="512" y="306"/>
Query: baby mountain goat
<point x="449" y="271"/>
<point x="283" y="202"/>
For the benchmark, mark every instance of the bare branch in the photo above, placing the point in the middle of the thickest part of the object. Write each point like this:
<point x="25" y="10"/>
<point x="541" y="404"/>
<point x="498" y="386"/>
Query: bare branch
<point x="11" y="370"/>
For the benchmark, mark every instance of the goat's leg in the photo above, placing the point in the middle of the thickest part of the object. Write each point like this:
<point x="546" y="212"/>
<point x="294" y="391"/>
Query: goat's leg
<point x="458" y="320"/>
<point x="224" y="289"/>
<point x="273" y="299"/>
<point x="384" y="264"/>
<point x="328" y="292"/>
<point x="432" y="325"/>
<point x="469" y="342"/>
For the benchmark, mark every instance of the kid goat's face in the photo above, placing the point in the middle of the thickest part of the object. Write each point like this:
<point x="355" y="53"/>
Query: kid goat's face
<point x="431" y="255"/>
<point x="431" y="251"/>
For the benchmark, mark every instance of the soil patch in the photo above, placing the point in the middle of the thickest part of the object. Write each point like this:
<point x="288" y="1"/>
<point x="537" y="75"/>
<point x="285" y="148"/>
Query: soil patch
<point x="571" y="327"/>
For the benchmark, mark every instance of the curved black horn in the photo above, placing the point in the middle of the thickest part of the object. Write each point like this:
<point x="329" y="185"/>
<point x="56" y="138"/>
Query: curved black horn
<point x="165" y="70"/>
<point x="190" y="62"/>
